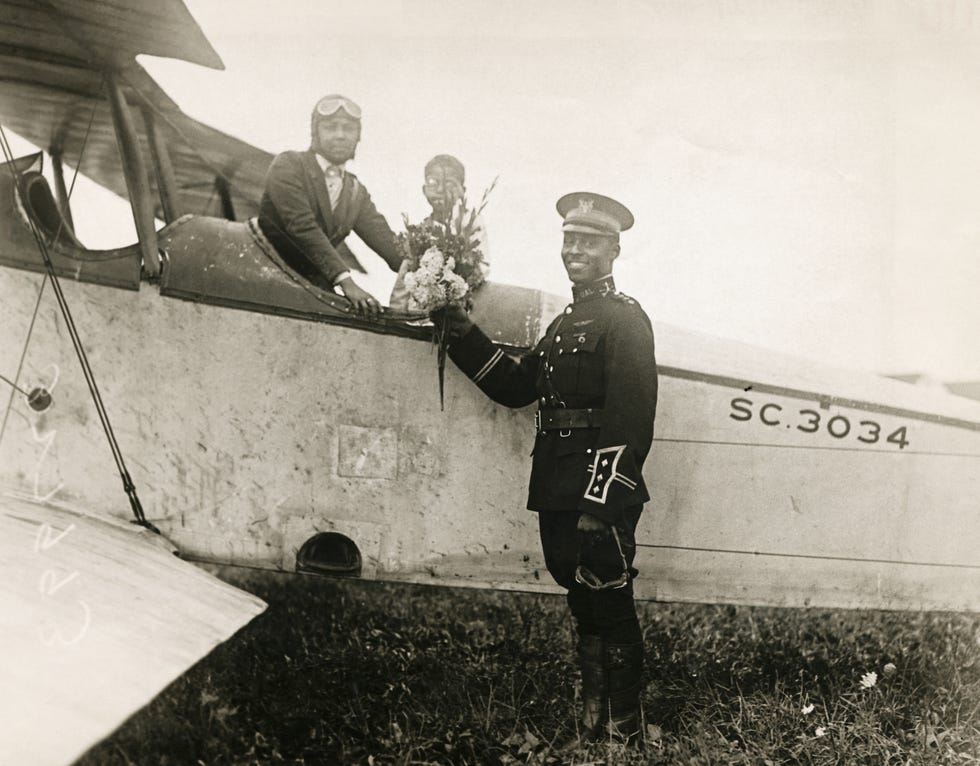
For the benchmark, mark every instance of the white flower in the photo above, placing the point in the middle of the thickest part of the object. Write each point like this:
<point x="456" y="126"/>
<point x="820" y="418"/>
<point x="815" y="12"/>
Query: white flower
<point x="424" y="292"/>
<point x="434" y="284"/>
<point x="869" y="679"/>
<point x="456" y="287"/>
<point x="431" y="261"/>
<point x="820" y="731"/>
<point x="807" y="709"/>
<point x="889" y="669"/>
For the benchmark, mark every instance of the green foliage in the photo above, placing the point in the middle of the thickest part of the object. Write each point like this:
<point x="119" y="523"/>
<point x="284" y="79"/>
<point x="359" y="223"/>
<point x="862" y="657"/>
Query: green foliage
<point x="339" y="672"/>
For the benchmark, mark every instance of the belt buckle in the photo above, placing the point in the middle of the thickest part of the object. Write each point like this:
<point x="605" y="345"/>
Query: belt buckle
<point x="564" y="433"/>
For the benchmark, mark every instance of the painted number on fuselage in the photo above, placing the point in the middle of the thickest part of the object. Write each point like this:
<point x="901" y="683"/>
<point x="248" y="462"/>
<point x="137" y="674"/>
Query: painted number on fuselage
<point x="810" y="421"/>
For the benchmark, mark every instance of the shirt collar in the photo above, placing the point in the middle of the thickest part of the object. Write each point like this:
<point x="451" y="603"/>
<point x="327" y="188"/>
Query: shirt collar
<point x="324" y="164"/>
<point x="602" y="286"/>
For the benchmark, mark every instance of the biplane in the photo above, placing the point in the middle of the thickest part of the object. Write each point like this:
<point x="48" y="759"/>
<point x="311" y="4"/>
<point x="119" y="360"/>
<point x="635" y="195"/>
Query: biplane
<point x="246" y="417"/>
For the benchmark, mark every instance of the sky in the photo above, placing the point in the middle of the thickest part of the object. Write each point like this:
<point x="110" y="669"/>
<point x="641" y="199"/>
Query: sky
<point x="804" y="175"/>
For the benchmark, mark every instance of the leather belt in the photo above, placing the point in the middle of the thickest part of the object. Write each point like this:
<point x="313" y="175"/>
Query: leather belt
<point x="564" y="419"/>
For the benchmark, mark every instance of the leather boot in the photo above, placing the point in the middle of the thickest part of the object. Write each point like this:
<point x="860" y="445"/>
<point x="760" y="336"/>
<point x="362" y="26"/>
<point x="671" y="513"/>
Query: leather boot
<point x="624" y="671"/>
<point x="595" y="695"/>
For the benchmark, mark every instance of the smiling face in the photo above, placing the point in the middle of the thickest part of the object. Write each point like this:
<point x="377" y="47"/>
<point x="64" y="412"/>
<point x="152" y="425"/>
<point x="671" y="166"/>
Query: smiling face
<point x="443" y="188"/>
<point x="588" y="257"/>
<point x="337" y="136"/>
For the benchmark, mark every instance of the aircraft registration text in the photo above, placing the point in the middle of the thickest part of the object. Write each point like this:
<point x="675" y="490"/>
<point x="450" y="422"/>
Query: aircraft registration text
<point x="811" y="421"/>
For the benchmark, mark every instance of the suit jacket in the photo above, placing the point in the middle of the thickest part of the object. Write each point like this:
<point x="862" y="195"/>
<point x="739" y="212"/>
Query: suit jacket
<point x="295" y="214"/>
<point x="598" y="353"/>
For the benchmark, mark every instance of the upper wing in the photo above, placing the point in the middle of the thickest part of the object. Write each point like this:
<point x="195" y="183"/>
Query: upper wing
<point x="52" y="92"/>
<point x="96" y="618"/>
<point x="106" y="32"/>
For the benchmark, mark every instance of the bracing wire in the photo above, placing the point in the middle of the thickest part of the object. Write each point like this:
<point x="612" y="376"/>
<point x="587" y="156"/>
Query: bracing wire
<point x="127" y="481"/>
<point x="44" y="280"/>
<point x="23" y="353"/>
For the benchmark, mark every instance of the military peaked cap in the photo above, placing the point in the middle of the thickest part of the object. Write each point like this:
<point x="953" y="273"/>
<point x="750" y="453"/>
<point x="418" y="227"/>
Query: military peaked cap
<point x="593" y="214"/>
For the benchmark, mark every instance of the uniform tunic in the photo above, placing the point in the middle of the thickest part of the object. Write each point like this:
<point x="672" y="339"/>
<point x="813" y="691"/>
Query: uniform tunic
<point x="599" y="354"/>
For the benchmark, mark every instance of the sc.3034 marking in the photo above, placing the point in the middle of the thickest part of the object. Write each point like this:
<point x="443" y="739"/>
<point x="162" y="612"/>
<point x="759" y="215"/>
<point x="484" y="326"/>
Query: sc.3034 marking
<point x="811" y="421"/>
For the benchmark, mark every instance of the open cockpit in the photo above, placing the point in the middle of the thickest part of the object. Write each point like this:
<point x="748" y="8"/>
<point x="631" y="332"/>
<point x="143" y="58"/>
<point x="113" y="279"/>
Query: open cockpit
<point x="227" y="263"/>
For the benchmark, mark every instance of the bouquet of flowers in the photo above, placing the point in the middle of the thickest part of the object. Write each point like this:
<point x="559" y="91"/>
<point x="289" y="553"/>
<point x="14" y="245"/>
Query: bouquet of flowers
<point x="444" y="266"/>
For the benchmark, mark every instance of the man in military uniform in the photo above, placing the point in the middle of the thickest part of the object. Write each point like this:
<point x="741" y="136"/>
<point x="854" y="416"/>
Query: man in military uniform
<point x="312" y="202"/>
<point x="594" y="378"/>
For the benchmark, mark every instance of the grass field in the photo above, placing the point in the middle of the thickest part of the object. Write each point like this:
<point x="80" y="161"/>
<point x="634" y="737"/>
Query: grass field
<point x="351" y="672"/>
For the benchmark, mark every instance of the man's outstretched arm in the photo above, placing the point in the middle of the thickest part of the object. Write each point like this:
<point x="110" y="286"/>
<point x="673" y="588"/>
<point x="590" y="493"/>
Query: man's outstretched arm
<point x="506" y="380"/>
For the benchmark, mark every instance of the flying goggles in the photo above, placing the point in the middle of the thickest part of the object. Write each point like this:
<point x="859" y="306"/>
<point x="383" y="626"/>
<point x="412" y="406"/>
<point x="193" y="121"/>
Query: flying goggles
<point x="585" y="576"/>
<point x="330" y="105"/>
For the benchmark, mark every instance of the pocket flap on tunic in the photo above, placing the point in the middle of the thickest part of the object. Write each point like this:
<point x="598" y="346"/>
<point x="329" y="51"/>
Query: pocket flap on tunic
<point x="586" y="342"/>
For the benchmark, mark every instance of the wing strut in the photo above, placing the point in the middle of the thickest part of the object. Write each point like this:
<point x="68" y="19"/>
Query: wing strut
<point x="137" y="180"/>
<point x="222" y="181"/>
<point x="223" y="188"/>
<point x="128" y="486"/>
<point x="166" y="178"/>
<point x="61" y="190"/>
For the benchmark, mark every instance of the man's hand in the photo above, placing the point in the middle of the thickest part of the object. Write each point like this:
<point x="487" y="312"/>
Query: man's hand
<point x="456" y="319"/>
<point x="365" y="304"/>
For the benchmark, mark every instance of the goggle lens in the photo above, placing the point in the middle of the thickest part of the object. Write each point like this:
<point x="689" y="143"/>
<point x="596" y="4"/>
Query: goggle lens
<point x="329" y="105"/>
<point x="585" y="576"/>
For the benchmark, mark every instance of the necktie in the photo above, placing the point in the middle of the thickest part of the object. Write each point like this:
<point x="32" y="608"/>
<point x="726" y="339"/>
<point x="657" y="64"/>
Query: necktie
<point x="335" y="183"/>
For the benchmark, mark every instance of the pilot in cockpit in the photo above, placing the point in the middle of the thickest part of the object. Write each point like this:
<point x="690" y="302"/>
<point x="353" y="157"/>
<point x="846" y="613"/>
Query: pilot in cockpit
<point x="312" y="202"/>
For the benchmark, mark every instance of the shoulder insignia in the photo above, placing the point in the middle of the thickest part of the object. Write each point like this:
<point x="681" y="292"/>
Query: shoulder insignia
<point x="624" y="298"/>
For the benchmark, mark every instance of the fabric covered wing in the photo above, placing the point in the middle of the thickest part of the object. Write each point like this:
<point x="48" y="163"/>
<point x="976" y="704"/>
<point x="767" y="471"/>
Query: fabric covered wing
<point x="110" y="32"/>
<point x="53" y="93"/>
<point x="96" y="618"/>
